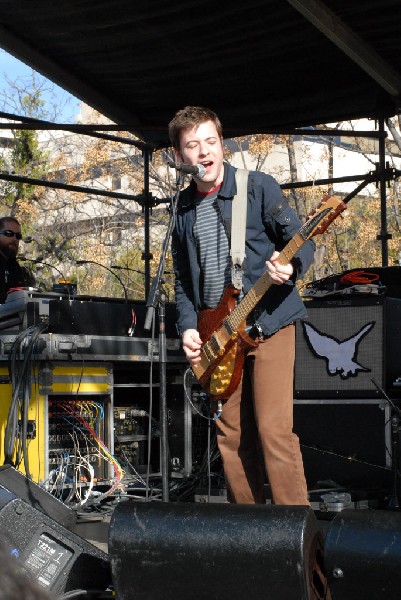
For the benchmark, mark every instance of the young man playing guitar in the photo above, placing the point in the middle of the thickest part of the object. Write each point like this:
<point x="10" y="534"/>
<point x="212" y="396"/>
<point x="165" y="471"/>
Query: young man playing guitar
<point x="254" y="430"/>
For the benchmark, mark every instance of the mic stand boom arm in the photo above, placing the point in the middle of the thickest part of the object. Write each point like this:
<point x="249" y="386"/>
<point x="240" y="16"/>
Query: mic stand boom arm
<point x="157" y="298"/>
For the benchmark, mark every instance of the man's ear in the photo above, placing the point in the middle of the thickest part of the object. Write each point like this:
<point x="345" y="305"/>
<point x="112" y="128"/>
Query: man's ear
<point x="178" y="157"/>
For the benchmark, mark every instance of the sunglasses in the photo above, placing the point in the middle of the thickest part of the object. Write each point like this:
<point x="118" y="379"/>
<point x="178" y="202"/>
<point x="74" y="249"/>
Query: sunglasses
<point x="10" y="233"/>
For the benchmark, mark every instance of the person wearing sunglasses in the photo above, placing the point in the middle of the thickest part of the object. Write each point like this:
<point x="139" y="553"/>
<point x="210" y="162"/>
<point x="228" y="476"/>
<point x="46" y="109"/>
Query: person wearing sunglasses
<point x="12" y="275"/>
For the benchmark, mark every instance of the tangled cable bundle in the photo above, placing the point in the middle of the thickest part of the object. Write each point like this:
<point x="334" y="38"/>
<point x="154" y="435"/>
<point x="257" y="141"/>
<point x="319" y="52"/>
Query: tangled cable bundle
<point x="355" y="277"/>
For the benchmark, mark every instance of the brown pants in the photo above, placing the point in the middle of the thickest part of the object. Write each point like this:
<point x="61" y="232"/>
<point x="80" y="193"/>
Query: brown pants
<point x="255" y="427"/>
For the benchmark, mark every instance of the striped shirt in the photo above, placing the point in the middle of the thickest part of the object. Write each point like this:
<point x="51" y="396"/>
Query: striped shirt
<point x="213" y="249"/>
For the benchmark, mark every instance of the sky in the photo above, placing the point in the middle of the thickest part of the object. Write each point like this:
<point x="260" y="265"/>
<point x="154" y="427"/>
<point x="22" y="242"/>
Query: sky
<point x="11" y="68"/>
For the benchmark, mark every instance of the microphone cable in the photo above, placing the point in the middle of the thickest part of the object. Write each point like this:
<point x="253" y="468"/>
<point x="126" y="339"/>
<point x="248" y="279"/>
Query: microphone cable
<point x="20" y="371"/>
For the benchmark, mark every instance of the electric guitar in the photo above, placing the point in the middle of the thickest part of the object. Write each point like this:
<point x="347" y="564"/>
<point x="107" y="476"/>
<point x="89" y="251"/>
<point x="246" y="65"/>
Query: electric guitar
<point x="222" y="355"/>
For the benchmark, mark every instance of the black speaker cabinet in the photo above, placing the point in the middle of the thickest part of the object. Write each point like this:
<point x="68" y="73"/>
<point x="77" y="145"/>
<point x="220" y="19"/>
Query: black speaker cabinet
<point x="344" y="344"/>
<point x="33" y="494"/>
<point x="111" y="317"/>
<point x="345" y="442"/>
<point x="362" y="555"/>
<point x="58" y="559"/>
<point x="201" y="551"/>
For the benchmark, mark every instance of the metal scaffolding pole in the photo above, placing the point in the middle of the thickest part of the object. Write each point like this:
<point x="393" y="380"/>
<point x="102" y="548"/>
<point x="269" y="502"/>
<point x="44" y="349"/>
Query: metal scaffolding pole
<point x="384" y="235"/>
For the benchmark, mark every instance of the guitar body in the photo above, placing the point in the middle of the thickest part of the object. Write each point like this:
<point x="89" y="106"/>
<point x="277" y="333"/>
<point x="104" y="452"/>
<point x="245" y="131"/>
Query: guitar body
<point x="222" y="357"/>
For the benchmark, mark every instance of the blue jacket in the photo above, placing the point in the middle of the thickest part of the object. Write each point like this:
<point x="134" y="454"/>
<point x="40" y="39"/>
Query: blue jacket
<point x="271" y="223"/>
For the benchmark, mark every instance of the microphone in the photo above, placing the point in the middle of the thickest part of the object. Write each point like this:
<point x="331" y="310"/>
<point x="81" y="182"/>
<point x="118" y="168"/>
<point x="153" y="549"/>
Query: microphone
<point x="36" y="261"/>
<point x="126" y="269"/>
<point x="198" y="171"/>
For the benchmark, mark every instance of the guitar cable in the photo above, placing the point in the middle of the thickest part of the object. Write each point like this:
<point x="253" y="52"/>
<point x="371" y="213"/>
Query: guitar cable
<point x="187" y="388"/>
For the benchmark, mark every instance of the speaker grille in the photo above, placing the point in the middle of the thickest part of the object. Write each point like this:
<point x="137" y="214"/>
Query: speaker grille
<point x="344" y="344"/>
<point x="345" y="442"/>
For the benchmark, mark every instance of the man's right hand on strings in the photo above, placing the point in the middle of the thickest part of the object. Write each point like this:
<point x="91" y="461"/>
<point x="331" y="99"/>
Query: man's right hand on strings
<point x="192" y="345"/>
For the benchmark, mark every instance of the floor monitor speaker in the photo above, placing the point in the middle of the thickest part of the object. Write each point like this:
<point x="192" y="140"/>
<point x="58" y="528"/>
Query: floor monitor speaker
<point x="202" y="551"/>
<point x="58" y="559"/>
<point x="33" y="494"/>
<point x="363" y="555"/>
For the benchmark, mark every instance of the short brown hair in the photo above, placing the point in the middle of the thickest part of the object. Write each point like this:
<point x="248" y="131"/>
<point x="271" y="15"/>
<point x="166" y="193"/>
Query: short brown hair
<point x="4" y="220"/>
<point x="190" y="117"/>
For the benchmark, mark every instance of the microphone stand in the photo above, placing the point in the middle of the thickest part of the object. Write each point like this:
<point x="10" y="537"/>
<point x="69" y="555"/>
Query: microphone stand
<point x="157" y="298"/>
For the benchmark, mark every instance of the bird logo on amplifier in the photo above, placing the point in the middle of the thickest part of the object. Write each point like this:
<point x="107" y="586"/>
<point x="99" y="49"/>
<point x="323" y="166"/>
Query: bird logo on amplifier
<point x="340" y="356"/>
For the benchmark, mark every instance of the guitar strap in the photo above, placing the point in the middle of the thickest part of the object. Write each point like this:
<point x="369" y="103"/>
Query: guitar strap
<point x="238" y="227"/>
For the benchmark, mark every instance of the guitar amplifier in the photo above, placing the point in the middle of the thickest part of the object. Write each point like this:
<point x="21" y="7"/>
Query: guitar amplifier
<point x="346" y="345"/>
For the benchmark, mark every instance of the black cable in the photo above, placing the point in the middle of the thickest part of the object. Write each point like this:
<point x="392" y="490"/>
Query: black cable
<point x="27" y="383"/>
<point x="12" y="419"/>
<point x="21" y="380"/>
<point x="24" y="423"/>
<point x="187" y="487"/>
<point x="89" y="593"/>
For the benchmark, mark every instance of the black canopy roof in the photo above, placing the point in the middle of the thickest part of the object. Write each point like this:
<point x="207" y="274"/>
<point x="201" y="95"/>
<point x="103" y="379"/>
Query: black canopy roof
<point x="262" y="65"/>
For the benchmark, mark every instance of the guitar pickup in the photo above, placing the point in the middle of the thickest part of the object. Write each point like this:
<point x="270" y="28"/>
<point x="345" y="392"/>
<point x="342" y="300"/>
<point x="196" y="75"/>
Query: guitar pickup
<point x="231" y="332"/>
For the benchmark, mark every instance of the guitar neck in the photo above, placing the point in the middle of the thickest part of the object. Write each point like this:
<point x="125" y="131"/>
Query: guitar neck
<point x="250" y="300"/>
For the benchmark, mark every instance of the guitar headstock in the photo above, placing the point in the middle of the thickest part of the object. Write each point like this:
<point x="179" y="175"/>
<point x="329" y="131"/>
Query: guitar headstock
<point x="320" y="217"/>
